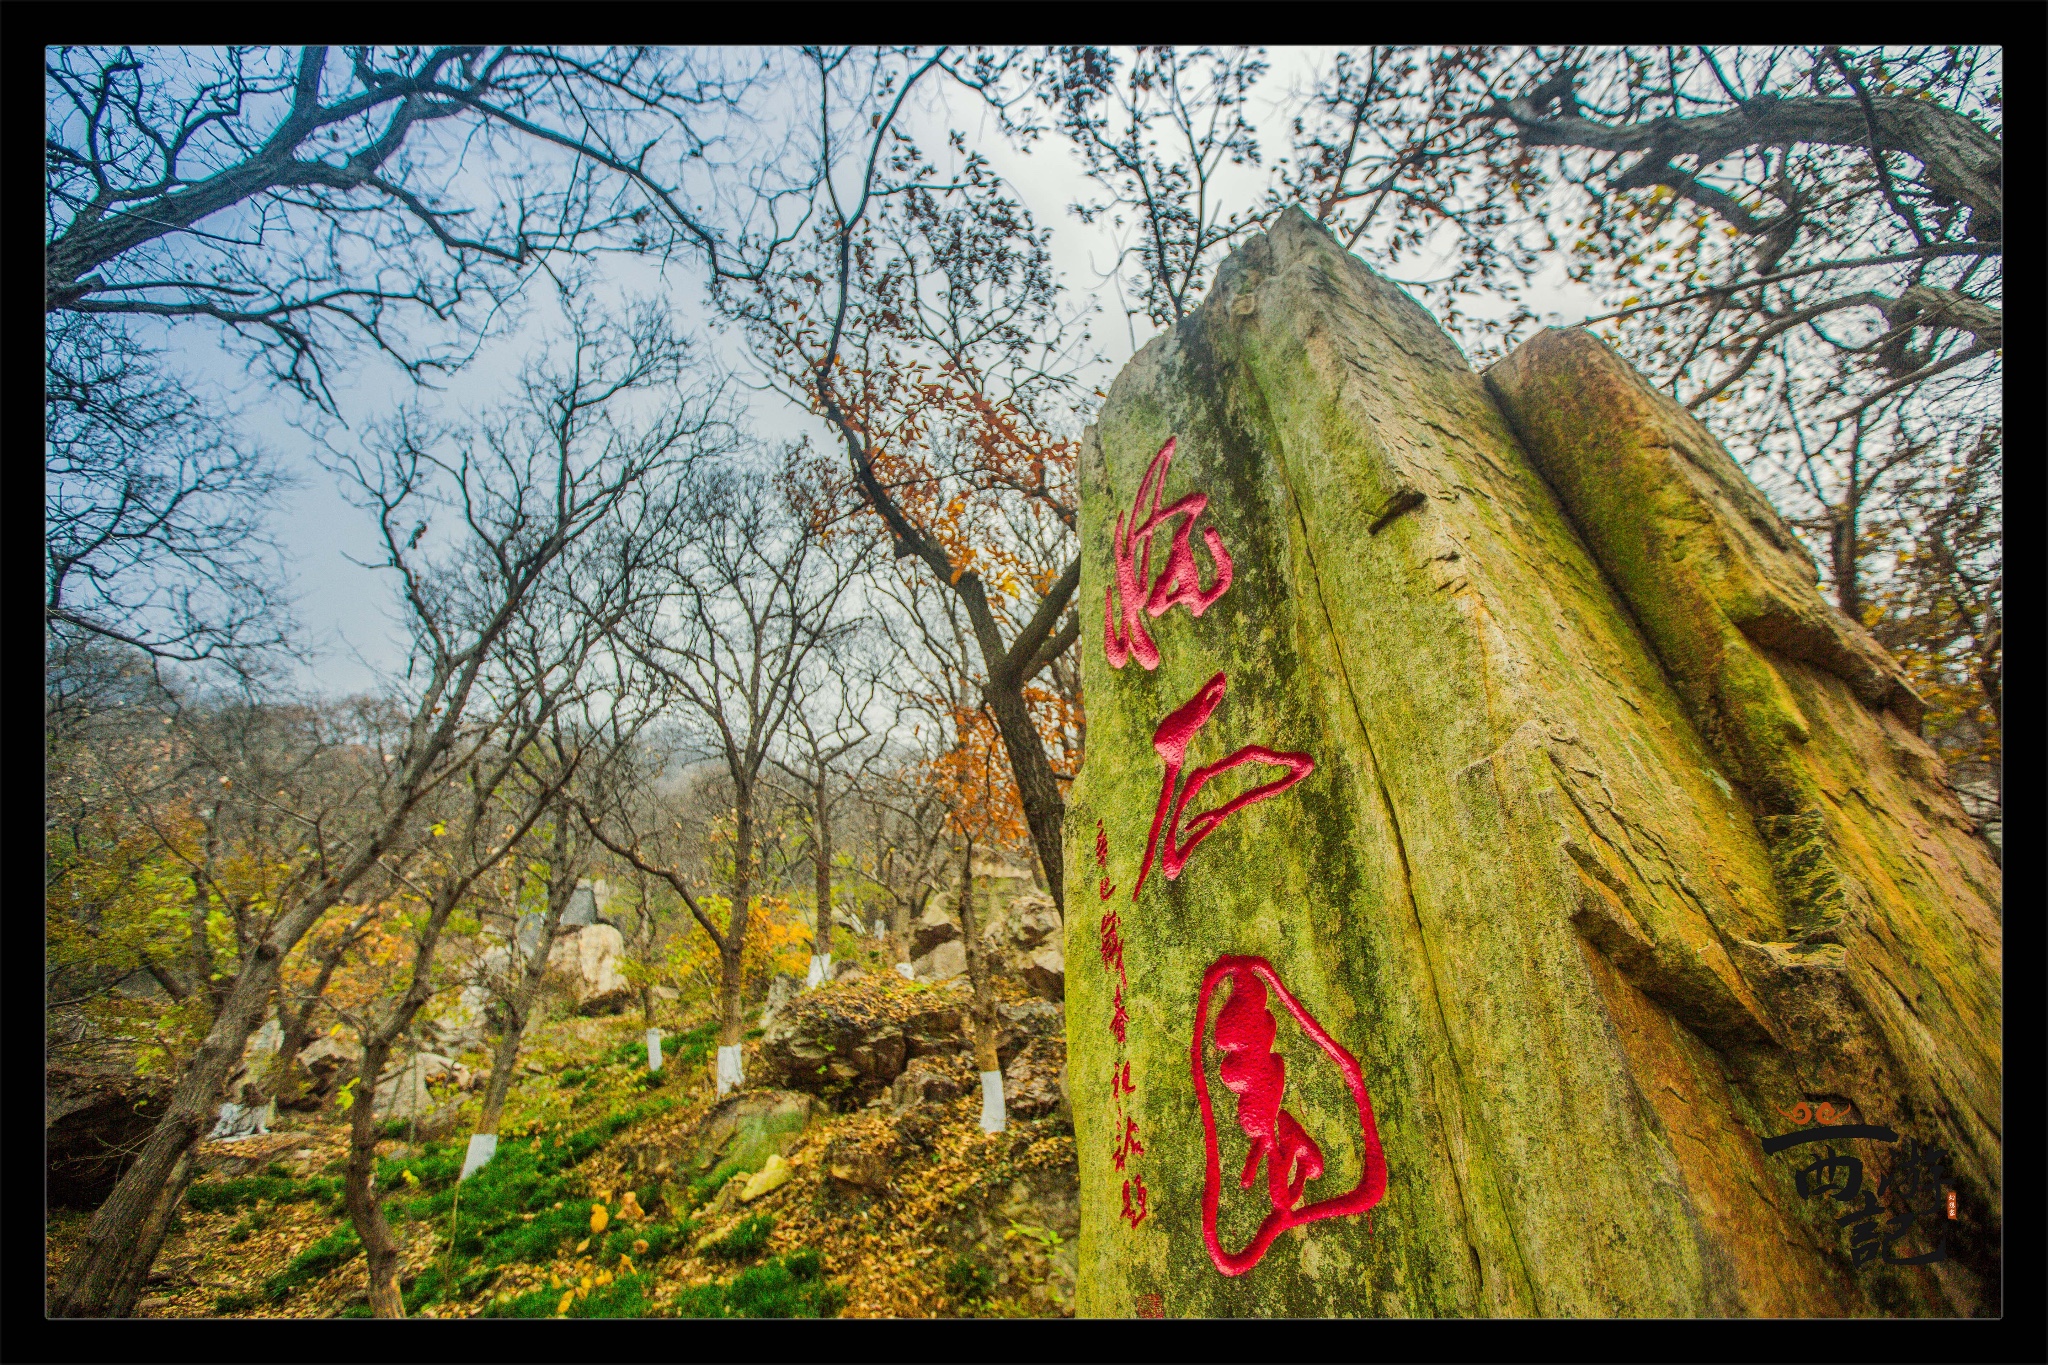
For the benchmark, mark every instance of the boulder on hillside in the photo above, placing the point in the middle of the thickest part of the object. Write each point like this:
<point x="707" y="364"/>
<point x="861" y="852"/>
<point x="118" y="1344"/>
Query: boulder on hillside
<point x="321" y="1067"/>
<point x="1045" y="972"/>
<point x="92" y="1124"/>
<point x="930" y="1080"/>
<point x="1031" y="1082"/>
<point x="407" y="1091"/>
<point x="463" y="1026"/>
<point x="931" y="929"/>
<point x="1031" y="919"/>
<point x="1025" y="1021"/>
<point x="584" y="966"/>
<point x="943" y="963"/>
<point x="746" y="1129"/>
<point x="781" y="991"/>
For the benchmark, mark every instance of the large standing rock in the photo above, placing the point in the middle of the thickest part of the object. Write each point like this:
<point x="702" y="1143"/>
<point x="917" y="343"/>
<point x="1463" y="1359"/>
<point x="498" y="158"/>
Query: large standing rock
<point x="463" y="1025"/>
<point x="1045" y="971"/>
<point x="1570" y="817"/>
<point x="585" y="965"/>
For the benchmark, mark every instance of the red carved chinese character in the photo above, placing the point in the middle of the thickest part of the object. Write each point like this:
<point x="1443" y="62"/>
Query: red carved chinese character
<point x="1123" y="633"/>
<point x="1101" y="846"/>
<point x="1117" y="1018"/>
<point x="1244" y="1034"/>
<point x="1112" y="947"/>
<point x="1135" y="1214"/>
<point x="1120" y="1081"/>
<point x="1105" y="890"/>
<point x="1171" y="740"/>
<point x="1151" y="1306"/>
<point x="1128" y="1145"/>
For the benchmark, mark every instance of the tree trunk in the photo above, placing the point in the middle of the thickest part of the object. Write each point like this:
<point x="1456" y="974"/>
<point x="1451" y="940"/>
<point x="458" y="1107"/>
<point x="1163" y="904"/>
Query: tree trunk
<point x="731" y="978"/>
<point x="983" y="1012"/>
<point x="1584" y="854"/>
<point x="1842" y="552"/>
<point x="1045" y="810"/>
<point x="381" y="1251"/>
<point x="114" y="1237"/>
<point x="155" y="1228"/>
<point x="821" y="943"/>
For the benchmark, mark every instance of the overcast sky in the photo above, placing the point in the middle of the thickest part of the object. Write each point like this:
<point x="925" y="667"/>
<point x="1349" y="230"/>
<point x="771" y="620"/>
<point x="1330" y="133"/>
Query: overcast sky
<point x="347" y="611"/>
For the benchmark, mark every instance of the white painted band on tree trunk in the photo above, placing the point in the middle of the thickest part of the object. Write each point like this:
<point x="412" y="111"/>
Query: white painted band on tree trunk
<point x="654" y="1049"/>
<point x="729" y="1072"/>
<point x="906" y="971"/>
<point x="482" y="1147"/>
<point x="992" y="1113"/>
<point x="821" y="971"/>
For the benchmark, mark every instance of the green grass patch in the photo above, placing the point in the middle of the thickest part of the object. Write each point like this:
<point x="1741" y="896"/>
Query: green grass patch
<point x="969" y="1280"/>
<point x="224" y="1196"/>
<point x="435" y="1167"/>
<point x="704" y="1186"/>
<point x="792" y="1286"/>
<point x="506" y="1212"/>
<point x="745" y="1241"/>
<point x="335" y="1249"/>
<point x="625" y="1297"/>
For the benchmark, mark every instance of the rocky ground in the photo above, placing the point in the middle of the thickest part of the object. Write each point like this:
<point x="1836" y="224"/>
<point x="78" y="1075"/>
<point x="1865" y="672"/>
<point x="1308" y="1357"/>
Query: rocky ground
<point x="851" y="1177"/>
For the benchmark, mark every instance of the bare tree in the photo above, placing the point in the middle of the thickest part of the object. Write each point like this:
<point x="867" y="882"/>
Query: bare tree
<point x="830" y="724"/>
<point x="523" y="492"/>
<point x="919" y="319"/>
<point x="753" y="599"/>
<point x="1155" y="138"/>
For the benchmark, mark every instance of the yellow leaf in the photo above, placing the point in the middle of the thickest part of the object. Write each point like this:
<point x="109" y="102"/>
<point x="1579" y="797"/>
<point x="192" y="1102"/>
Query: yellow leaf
<point x="563" y="1307"/>
<point x="626" y="1262"/>
<point x="409" y="1177"/>
<point x="598" y="1218"/>
<point x="582" y="1244"/>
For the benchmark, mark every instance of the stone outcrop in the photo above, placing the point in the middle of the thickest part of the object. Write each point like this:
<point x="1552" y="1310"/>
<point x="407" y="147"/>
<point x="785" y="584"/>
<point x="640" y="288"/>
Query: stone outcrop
<point x="947" y="962"/>
<point x="850" y="1041"/>
<point x="92" y="1124"/>
<point x="322" y="1067"/>
<point x="409" y="1089"/>
<point x="1515" y="789"/>
<point x="583" y="966"/>
<point x="746" y="1129"/>
<point x="931" y="929"/>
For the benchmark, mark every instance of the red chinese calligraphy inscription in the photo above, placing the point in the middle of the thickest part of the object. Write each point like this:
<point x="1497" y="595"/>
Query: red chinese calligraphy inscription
<point x="1171" y="740"/>
<point x="1244" y="1034"/>
<point x="1179" y="582"/>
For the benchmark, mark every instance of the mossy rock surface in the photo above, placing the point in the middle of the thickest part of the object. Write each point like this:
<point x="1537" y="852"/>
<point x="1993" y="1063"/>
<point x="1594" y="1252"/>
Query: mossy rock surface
<point x="1524" y="885"/>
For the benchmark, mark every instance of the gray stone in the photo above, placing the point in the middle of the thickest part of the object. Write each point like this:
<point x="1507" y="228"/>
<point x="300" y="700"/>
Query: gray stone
<point x="582" y="909"/>
<point x="747" y="1129"/>
<point x="931" y="929"/>
<point x="1032" y="1081"/>
<point x="584" y="963"/>
<point x="942" y="963"/>
<point x="407" y="1091"/>
<point x="1045" y="971"/>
